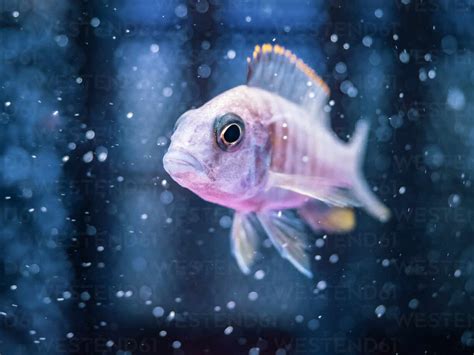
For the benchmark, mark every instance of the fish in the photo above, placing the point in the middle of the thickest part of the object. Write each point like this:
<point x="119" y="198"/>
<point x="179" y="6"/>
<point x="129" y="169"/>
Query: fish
<point x="266" y="149"/>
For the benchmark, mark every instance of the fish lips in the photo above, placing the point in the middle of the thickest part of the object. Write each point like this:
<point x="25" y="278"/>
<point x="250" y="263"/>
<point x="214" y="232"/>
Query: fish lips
<point x="184" y="167"/>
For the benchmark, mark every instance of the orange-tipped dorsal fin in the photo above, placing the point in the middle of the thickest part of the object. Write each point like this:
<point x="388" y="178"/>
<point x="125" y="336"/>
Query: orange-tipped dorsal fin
<point x="276" y="69"/>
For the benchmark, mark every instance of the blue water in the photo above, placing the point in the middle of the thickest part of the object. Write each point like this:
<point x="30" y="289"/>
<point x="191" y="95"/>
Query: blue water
<point x="103" y="253"/>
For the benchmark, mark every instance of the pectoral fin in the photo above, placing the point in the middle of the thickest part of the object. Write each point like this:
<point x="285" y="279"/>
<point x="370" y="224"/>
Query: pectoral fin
<point x="244" y="241"/>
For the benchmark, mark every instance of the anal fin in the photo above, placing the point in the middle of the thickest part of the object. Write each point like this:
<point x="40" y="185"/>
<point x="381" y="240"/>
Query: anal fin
<point x="322" y="217"/>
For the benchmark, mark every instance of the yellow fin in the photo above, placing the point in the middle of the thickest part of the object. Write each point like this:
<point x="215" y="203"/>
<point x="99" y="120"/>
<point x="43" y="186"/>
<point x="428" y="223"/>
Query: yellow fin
<point x="322" y="217"/>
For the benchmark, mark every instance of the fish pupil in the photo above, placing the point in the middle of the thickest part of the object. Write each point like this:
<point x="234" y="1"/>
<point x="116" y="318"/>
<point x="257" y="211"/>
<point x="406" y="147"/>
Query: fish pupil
<point x="232" y="133"/>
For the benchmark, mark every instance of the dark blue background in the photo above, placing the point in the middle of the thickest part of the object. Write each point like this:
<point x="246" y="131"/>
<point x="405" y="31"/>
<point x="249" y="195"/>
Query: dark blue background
<point x="101" y="252"/>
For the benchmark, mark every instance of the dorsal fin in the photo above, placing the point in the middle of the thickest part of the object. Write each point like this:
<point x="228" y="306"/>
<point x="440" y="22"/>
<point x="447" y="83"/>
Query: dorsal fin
<point x="276" y="69"/>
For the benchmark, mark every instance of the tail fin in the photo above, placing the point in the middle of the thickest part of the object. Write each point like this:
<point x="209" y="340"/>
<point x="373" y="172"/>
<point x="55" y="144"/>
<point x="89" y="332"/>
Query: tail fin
<point x="361" y="189"/>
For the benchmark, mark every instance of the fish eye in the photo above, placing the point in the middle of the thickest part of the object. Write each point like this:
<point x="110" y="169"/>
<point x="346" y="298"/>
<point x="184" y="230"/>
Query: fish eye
<point x="229" y="130"/>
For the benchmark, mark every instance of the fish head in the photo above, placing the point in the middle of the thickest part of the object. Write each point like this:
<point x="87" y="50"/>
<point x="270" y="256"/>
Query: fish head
<point x="221" y="151"/>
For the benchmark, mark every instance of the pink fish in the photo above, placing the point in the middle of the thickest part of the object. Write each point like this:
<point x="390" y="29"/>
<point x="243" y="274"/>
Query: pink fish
<point x="266" y="149"/>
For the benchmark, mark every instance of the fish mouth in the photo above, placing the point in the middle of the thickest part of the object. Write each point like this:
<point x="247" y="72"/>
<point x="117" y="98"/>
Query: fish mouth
<point x="180" y="164"/>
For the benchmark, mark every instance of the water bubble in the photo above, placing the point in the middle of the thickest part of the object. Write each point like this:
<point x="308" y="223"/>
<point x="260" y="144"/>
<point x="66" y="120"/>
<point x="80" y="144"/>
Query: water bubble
<point x="457" y="273"/>
<point x="380" y="310"/>
<point x="321" y="285"/>
<point x="231" y="54"/>
<point x="299" y="318"/>
<point x="404" y="56"/>
<point x="319" y="242"/>
<point x="413" y="304"/>
<point x="396" y="121"/>
<point x="167" y="91"/>
<point x="449" y="44"/>
<point x="454" y="200"/>
<point x="176" y="344"/>
<point x="334" y="258"/>
<point x="402" y="190"/>
<point x="456" y="99"/>
<point x="205" y="45"/>
<point x="144" y="216"/>
<point x="109" y="343"/>
<point x="422" y="75"/>
<point x="340" y="68"/>
<point x="90" y="134"/>
<point x="101" y="153"/>
<point x="61" y="40"/>
<point x="95" y="22"/>
<point x="378" y="13"/>
<point x="367" y="41"/>
<point x="154" y="48"/>
<point x="129" y="115"/>
<point x="254" y="351"/>
<point x="253" y="296"/>
<point x="204" y="71"/>
<point x="259" y="274"/>
<point x="166" y="197"/>
<point x="230" y="305"/>
<point x="228" y="330"/>
<point x="181" y="10"/>
<point x="88" y="157"/>
<point x="225" y="222"/>
<point x="202" y="6"/>
<point x="158" y="312"/>
<point x="334" y="38"/>
<point x="15" y="14"/>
